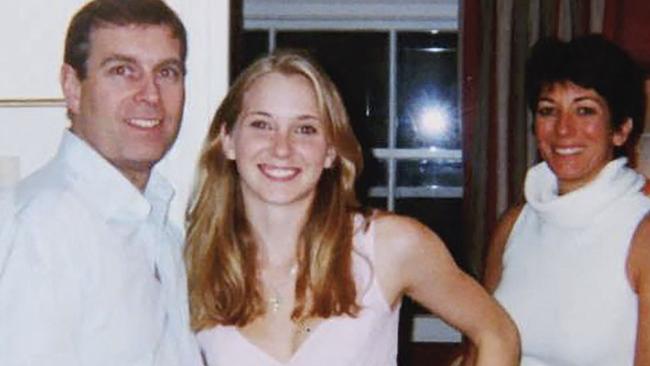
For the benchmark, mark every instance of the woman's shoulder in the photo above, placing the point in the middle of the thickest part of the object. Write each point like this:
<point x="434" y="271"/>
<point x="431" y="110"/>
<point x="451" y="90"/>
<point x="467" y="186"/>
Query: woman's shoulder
<point x="394" y="228"/>
<point x="646" y="187"/>
<point x="497" y="245"/>
<point x="505" y="224"/>
<point x="639" y="256"/>
<point x="401" y="237"/>
<point x="404" y="248"/>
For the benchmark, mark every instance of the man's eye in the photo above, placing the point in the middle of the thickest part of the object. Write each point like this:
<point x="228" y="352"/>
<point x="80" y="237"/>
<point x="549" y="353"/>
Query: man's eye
<point x="120" y="70"/>
<point x="170" y="73"/>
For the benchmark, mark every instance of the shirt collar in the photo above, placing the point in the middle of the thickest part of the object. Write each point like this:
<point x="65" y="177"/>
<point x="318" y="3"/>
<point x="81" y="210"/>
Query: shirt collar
<point x="110" y="192"/>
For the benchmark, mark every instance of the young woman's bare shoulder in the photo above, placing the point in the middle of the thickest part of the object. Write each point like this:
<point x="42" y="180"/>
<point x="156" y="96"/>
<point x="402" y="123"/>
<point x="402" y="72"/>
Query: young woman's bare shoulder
<point x="402" y="236"/>
<point x="404" y="248"/>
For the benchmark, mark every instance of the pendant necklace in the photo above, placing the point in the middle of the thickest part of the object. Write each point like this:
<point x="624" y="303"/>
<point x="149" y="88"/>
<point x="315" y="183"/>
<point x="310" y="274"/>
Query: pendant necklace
<point x="275" y="300"/>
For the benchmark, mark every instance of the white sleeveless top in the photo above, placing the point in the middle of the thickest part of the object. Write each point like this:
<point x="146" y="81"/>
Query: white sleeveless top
<point x="370" y="339"/>
<point x="564" y="276"/>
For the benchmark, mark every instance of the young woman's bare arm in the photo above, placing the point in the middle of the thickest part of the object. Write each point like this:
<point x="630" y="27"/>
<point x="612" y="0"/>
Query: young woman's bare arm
<point x="412" y="260"/>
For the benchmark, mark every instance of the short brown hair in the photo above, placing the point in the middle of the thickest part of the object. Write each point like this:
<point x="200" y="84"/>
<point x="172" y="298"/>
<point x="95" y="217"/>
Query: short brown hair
<point x="592" y="62"/>
<point x="116" y="12"/>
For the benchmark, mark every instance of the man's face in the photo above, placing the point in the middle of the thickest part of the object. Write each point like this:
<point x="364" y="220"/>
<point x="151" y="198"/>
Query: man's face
<point x="130" y="105"/>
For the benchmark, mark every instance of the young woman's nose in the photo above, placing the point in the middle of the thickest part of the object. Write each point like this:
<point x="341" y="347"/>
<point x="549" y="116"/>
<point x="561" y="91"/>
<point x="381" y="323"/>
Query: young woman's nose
<point x="281" y="143"/>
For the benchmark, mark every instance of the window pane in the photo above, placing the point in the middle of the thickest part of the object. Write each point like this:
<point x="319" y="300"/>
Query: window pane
<point x="373" y="177"/>
<point x="256" y="44"/>
<point x="442" y="215"/>
<point x="357" y="62"/>
<point x="445" y="173"/>
<point x="376" y="202"/>
<point x="427" y="105"/>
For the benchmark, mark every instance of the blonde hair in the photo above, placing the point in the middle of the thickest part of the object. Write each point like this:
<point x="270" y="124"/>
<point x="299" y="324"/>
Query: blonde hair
<point x="221" y="254"/>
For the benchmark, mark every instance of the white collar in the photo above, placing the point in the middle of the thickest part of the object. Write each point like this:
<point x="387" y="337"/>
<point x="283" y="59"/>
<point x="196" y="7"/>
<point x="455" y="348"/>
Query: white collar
<point x="578" y="208"/>
<point x="110" y="192"/>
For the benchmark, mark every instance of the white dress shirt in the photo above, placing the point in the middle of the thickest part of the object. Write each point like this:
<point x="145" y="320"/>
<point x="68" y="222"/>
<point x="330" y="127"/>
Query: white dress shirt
<point x="91" y="270"/>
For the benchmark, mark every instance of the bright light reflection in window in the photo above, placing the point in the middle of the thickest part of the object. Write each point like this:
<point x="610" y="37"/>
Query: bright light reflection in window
<point x="433" y="121"/>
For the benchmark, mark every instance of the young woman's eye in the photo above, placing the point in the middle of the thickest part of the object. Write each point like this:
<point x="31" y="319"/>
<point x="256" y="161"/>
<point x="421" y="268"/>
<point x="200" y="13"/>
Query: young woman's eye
<point x="307" y="130"/>
<point x="260" y="124"/>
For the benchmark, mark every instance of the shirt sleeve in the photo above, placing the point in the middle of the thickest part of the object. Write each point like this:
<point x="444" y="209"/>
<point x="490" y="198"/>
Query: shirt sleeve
<point x="40" y="297"/>
<point x="6" y="211"/>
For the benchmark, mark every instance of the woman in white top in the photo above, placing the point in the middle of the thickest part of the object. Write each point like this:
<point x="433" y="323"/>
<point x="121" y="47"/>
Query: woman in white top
<point x="284" y="266"/>
<point x="572" y="265"/>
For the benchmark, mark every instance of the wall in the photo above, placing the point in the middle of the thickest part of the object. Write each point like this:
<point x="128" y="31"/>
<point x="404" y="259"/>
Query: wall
<point x="32" y="115"/>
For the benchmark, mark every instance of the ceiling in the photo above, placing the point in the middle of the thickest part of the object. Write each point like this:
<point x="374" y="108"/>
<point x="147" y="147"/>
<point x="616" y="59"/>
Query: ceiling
<point x="351" y="14"/>
<point x="349" y="2"/>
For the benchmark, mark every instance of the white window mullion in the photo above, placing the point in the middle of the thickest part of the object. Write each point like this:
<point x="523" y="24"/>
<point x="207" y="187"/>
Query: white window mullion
<point x="419" y="153"/>
<point x="392" y="118"/>
<point x="272" y="39"/>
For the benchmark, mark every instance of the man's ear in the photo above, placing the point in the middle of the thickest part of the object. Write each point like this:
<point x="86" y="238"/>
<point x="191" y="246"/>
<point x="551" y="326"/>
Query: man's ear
<point x="620" y="135"/>
<point x="71" y="86"/>
<point x="227" y="143"/>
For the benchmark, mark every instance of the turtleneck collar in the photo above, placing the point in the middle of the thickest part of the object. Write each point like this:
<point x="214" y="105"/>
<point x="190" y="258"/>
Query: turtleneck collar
<point x="578" y="208"/>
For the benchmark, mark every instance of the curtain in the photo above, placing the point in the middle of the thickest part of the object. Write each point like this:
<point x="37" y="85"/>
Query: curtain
<point x="498" y="146"/>
<point x="627" y="23"/>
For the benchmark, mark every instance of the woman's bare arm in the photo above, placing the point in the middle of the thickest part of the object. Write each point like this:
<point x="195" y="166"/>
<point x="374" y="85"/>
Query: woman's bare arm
<point x="638" y="266"/>
<point x="496" y="247"/>
<point x="412" y="260"/>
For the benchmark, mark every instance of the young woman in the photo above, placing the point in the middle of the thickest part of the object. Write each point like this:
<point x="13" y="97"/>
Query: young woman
<point x="285" y="268"/>
<point x="571" y="265"/>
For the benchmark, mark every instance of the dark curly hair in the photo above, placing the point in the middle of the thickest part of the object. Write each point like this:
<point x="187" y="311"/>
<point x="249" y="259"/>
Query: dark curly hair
<point x="592" y="62"/>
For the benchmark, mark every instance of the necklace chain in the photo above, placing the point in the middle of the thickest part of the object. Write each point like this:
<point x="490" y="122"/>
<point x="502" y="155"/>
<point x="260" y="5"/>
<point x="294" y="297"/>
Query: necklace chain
<point x="275" y="300"/>
<point x="303" y="327"/>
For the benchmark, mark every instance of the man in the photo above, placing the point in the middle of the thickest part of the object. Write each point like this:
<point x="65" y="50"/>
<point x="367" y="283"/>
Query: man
<point x="91" y="271"/>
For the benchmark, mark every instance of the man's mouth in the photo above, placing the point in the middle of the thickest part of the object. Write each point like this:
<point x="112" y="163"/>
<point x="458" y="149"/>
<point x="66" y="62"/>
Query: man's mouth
<point x="143" y="122"/>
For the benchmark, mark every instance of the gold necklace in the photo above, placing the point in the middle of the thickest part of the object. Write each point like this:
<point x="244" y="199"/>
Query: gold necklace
<point x="303" y="326"/>
<point x="275" y="300"/>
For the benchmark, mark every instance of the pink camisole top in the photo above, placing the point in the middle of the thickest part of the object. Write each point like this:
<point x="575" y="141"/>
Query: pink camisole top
<point x="369" y="339"/>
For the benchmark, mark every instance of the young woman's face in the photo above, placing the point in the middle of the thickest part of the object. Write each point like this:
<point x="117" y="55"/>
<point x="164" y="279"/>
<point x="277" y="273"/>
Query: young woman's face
<point x="574" y="134"/>
<point x="279" y="143"/>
